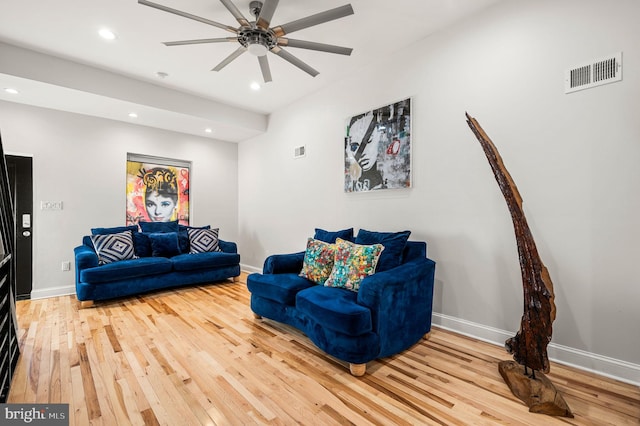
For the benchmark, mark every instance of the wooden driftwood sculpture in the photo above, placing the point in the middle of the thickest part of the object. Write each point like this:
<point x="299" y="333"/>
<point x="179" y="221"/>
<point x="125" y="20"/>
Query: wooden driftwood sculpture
<point x="529" y="345"/>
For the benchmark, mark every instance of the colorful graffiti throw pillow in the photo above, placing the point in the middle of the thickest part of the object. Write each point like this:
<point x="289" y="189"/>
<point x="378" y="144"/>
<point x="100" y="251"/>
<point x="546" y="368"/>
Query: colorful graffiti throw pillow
<point x="318" y="261"/>
<point x="352" y="263"/>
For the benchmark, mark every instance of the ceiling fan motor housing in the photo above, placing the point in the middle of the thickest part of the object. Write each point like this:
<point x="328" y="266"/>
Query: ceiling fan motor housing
<point x="257" y="40"/>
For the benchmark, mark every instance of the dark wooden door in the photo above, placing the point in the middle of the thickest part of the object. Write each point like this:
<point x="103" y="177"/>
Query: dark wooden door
<point x="20" y="170"/>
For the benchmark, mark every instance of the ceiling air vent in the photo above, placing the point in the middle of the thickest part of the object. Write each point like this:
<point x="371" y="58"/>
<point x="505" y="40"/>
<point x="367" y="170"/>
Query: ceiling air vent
<point x="592" y="74"/>
<point x="299" y="151"/>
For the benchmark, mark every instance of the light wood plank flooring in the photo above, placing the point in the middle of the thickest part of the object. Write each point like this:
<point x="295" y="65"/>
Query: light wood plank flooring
<point x="196" y="355"/>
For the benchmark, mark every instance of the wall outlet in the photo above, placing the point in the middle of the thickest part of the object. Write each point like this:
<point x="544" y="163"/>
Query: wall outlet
<point x="66" y="265"/>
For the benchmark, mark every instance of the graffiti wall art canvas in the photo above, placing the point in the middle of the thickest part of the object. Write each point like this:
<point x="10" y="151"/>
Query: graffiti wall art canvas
<point x="157" y="189"/>
<point x="377" y="149"/>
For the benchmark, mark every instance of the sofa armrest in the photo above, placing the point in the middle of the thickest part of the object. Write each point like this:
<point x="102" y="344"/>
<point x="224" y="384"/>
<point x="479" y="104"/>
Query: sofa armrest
<point x="228" y="246"/>
<point x="85" y="258"/>
<point x="401" y="302"/>
<point x="283" y="263"/>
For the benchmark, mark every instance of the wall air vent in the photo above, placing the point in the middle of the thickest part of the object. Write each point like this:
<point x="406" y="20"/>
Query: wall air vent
<point x="595" y="73"/>
<point x="299" y="152"/>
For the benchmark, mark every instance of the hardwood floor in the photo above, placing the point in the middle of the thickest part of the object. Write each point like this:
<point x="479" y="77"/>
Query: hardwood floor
<point x="196" y="355"/>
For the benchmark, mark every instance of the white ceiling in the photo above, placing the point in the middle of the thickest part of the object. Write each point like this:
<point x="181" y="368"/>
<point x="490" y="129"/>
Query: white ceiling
<point x="67" y="29"/>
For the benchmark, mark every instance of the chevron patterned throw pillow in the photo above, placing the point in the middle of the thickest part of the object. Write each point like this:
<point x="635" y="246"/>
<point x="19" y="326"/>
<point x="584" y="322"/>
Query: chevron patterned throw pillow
<point x="203" y="240"/>
<point x="113" y="247"/>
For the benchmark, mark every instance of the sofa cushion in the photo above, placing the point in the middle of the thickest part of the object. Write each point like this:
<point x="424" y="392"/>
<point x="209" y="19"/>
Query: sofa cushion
<point x="190" y="262"/>
<point x="335" y="309"/>
<point x="331" y="236"/>
<point x="151" y="227"/>
<point x="393" y="242"/>
<point x="185" y="228"/>
<point x="164" y="244"/>
<point x="114" y="230"/>
<point x="353" y="262"/>
<point x="126" y="269"/>
<point x="113" y="247"/>
<point x="203" y="240"/>
<point x="318" y="261"/>
<point x="281" y="288"/>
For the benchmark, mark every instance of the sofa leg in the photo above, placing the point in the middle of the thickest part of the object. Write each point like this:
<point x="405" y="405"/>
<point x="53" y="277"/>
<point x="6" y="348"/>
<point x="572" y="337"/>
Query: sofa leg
<point x="256" y="316"/>
<point x="357" y="369"/>
<point x="236" y="279"/>
<point x="427" y="336"/>
<point x="86" y="304"/>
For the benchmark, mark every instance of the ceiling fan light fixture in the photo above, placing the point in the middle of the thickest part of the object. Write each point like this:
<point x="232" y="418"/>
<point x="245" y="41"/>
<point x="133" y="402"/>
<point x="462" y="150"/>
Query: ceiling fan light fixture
<point x="257" y="49"/>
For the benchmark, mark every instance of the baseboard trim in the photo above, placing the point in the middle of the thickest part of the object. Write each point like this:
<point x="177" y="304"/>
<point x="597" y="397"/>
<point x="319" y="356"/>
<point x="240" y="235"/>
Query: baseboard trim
<point x="250" y="269"/>
<point x="53" y="292"/>
<point x="583" y="360"/>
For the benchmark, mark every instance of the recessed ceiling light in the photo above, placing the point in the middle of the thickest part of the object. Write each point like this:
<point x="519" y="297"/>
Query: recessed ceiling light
<point x="133" y="115"/>
<point x="208" y="130"/>
<point x="255" y="86"/>
<point x="11" y="90"/>
<point x="107" y="34"/>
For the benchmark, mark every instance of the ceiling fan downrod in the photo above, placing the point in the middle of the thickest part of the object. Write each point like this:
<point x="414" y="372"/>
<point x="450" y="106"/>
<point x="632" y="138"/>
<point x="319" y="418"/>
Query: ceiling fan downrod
<point x="255" y="7"/>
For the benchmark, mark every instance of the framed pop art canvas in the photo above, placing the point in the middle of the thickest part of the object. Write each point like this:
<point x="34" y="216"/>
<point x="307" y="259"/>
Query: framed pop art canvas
<point x="377" y="149"/>
<point x="157" y="189"/>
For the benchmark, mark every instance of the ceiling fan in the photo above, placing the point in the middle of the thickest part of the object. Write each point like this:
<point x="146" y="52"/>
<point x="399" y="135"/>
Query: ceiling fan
<point x="259" y="38"/>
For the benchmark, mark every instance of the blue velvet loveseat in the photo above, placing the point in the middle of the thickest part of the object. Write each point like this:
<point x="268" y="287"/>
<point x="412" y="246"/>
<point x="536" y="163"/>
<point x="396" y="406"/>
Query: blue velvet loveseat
<point x="121" y="261"/>
<point x="387" y="312"/>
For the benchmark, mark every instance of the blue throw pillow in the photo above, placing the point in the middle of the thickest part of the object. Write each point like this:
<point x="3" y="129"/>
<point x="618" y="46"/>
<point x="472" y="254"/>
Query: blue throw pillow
<point x="164" y="244"/>
<point x="114" y="230"/>
<point x="142" y="244"/>
<point x="113" y="247"/>
<point x="393" y="242"/>
<point x="331" y="236"/>
<point x="183" y="241"/>
<point x="153" y="227"/>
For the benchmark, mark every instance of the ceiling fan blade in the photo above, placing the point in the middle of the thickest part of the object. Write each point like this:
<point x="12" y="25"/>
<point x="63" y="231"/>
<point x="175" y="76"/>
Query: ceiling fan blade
<point x="288" y="42"/>
<point x="230" y="58"/>
<point x="295" y="61"/>
<point x="235" y="12"/>
<point x="310" y="21"/>
<point x="199" y="41"/>
<point x="266" y="13"/>
<point x="187" y="15"/>
<point x="264" y="67"/>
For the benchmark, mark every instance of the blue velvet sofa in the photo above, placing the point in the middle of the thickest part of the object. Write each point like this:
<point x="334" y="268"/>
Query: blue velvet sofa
<point x="390" y="312"/>
<point x="147" y="270"/>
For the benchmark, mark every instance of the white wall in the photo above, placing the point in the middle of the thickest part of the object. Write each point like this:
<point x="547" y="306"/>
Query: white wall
<point x="81" y="160"/>
<point x="574" y="158"/>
